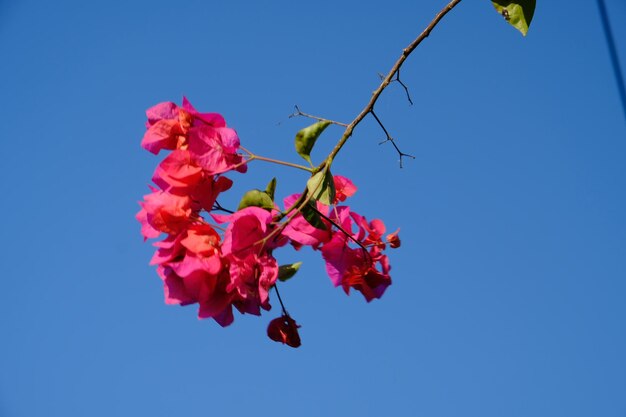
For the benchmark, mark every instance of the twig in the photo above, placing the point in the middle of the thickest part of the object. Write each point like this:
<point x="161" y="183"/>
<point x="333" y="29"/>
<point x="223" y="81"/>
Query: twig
<point x="390" y="139"/>
<point x="305" y="197"/>
<point x="298" y="113"/>
<point x="389" y="78"/>
<point x="406" y="89"/>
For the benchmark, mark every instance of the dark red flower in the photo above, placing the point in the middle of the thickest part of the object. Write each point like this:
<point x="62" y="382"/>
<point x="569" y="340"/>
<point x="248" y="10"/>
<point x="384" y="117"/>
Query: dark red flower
<point x="284" y="329"/>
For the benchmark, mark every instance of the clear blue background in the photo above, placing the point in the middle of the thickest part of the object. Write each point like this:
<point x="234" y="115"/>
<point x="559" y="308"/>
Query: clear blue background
<point x="509" y="288"/>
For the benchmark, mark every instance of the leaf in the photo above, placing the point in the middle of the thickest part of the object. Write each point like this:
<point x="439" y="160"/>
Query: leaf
<point x="518" y="13"/>
<point x="256" y="198"/>
<point x="286" y="272"/>
<point x="305" y="139"/>
<point x="311" y="215"/>
<point x="322" y="187"/>
<point x="271" y="188"/>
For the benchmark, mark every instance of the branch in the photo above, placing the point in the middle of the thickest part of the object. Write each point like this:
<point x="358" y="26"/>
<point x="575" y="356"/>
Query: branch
<point x="390" y="139"/>
<point x="298" y="113"/>
<point x="399" y="81"/>
<point x="389" y="78"/>
<point x="305" y="197"/>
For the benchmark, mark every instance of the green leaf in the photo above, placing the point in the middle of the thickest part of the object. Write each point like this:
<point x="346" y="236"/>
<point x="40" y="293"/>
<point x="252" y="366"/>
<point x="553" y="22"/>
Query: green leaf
<point x="311" y="215"/>
<point x="286" y="272"/>
<point x="256" y="198"/>
<point x="322" y="187"/>
<point x="271" y="188"/>
<point x="518" y="13"/>
<point x="305" y="139"/>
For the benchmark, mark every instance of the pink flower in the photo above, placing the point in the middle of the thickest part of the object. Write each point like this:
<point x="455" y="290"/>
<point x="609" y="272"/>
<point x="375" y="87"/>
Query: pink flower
<point x="193" y="284"/>
<point x="284" y="329"/>
<point x="360" y="266"/>
<point x="300" y="231"/>
<point x="215" y="149"/>
<point x="344" y="188"/>
<point x="247" y="249"/>
<point x="393" y="239"/>
<point x="165" y="212"/>
<point x="177" y="171"/>
<point x="167" y="126"/>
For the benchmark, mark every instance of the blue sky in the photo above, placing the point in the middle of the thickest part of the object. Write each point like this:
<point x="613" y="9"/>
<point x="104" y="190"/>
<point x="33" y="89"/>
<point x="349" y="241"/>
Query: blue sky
<point x="509" y="288"/>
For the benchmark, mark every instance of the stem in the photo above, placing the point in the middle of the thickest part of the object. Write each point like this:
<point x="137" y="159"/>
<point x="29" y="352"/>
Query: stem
<point x="280" y="300"/>
<point x="252" y="157"/>
<point x="298" y="112"/>
<point x="395" y="69"/>
<point x="276" y="161"/>
<point x="389" y="78"/>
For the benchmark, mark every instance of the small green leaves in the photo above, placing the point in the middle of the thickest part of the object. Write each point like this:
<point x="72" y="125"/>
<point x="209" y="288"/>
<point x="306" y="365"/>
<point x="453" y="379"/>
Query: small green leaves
<point x="518" y="13"/>
<point x="321" y="187"/>
<point x="305" y="139"/>
<point x="271" y="188"/>
<point x="310" y="214"/>
<point x="256" y="198"/>
<point x="286" y="272"/>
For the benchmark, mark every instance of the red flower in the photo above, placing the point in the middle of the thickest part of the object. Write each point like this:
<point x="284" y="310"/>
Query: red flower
<point x="284" y="329"/>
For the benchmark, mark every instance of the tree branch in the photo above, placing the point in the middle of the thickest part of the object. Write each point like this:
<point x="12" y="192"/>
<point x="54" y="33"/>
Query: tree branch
<point x="298" y="112"/>
<point x="389" y="78"/>
<point x="390" y="139"/>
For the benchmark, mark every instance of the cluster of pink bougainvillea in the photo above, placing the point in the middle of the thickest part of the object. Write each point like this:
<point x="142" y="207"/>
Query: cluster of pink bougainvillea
<point x="221" y="261"/>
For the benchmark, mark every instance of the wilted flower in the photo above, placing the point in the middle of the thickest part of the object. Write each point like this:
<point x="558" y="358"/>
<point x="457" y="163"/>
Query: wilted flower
<point x="284" y="329"/>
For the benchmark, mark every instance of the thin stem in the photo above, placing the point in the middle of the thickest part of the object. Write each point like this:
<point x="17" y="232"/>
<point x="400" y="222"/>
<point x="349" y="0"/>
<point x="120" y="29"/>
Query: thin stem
<point x="389" y="78"/>
<point x="280" y="300"/>
<point x="390" y="139"/>
<point x="348" y="235"/>
<point x="305" y="197"/>
<point x="276" y="161"/>
<point x="298" y="112"/>
<point x="218" y="207"/>
<point x="252" y="157"/>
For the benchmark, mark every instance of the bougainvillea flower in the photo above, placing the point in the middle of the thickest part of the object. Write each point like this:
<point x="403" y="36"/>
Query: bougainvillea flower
<point x="374" y="230"/>
<point x="284" y="329"/>
<point x="147" y="230"/>
<point x="198" y="286"/>
<point x="166" y="212"/>
<point x="169" y="250"/>
<point x="393" y="239"/>
<point x="211" y="119"/>
<point x="360" y="266"/>
<point x="164" y="134"/>
<point x="162" y="111"/>
<point x="301" y="232"/>
<point x="169" y="124"/>
<point x="344" y="188"/>
<point x="206" y="191"/>
<point x="215" y="149"/>
<point x="356" y="268"/>
<point x="174" y="287"/>
<point x="201" y="240"/>
<point x="177" y="171"/>
<point x="247" y="249"/>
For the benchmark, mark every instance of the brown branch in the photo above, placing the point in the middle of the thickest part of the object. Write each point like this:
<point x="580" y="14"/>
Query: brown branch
<point x="389" y="78"/>
<point x="305" y="197"/>
<point x="298" y="113"/>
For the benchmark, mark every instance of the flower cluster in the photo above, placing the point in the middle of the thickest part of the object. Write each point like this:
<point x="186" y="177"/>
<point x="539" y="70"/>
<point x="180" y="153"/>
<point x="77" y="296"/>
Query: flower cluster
<point x="221" y="261"/>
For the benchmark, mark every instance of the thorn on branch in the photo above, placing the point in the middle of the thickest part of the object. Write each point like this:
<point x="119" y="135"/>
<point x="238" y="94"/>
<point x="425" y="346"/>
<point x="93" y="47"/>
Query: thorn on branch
<point x="390" y="139"/>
